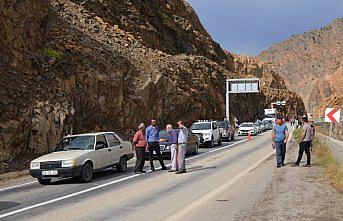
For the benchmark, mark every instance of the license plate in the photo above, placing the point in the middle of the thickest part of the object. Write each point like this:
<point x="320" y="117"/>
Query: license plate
<point x="50" y="173"/>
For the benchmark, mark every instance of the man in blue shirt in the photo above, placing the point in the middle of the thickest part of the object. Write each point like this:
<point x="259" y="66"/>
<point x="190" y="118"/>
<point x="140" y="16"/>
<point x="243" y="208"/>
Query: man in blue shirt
<point x="280" y="137"/>
<point x="153" y="139"/>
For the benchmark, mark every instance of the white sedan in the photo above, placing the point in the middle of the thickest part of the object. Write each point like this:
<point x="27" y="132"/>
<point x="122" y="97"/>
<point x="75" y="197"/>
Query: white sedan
<point x="81" y="155"/>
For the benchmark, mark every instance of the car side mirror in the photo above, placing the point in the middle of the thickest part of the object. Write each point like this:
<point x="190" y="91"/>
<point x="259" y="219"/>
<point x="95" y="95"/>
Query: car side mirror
<point x="99" y="145"/>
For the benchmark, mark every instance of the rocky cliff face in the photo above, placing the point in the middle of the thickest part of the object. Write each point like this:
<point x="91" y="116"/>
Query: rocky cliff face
<point x="312" y="63"/>
<point x="273" y="86"/>
<point x="78" y="66"/>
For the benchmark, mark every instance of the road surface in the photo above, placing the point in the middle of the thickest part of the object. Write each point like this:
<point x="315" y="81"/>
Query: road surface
<point x="218" y="185"/>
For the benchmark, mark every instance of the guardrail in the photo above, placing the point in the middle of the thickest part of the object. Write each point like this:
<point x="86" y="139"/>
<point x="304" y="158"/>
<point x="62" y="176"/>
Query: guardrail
<point x="336" y="146"/>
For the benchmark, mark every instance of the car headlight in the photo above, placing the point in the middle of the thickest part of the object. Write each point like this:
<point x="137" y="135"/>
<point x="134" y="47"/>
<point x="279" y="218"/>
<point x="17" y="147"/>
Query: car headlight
<point x="68" y="163"/>
<point x="207" y="135"/>
<point x="34" y="165"/>
<point x="167" y="148"/>
<point x="251" y="129"/>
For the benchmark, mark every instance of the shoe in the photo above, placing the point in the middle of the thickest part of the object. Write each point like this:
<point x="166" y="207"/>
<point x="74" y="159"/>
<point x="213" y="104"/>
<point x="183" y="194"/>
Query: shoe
<point x="295" y="165"/>
<point x="143" y="171"/>
<point x="283" y="164"/>
<point x="153" y="168"/>
<point x="164" y="168"/>
<point x="307" y="165"/>
<point x="138" y="172"/>
<point x="171" y="171"/>
<point x="278" y="166"/>
<point x="180" y="172"/>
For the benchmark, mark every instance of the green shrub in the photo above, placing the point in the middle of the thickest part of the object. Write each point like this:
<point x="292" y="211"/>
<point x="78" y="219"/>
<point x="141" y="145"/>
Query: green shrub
<point x="53" y="53"/>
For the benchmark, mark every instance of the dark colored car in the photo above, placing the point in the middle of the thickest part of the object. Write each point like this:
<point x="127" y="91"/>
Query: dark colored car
<point x="192" y="147"/>
<point x="227" y="130"/>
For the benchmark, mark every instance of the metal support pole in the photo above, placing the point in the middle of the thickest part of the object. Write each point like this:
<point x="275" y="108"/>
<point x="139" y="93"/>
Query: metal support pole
<point x="227" y="102"/>
<point x="330" y="134"/>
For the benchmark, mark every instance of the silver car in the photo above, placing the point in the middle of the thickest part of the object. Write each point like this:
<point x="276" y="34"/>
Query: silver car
<point x="81" y="155"/>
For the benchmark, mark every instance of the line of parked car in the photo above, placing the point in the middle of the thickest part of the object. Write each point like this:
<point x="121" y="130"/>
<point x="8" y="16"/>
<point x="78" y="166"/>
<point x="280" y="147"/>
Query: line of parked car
<point x="83" y="154"/>
<point x="258" y="127"/>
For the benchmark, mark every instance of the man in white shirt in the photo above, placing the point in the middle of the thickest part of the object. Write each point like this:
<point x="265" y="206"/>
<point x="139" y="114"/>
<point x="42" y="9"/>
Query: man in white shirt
<point x="182" y="146"/>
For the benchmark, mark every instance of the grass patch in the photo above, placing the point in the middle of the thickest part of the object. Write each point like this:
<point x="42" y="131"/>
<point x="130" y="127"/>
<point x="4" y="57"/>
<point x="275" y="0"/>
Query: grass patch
<point x="297" y="134"/>
<point x="334" y="169"/>
<point x="53" y="53"/>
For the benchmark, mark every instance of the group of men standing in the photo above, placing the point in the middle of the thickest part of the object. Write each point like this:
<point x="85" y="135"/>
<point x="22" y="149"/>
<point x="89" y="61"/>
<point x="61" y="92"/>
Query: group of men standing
<point x="149" y="139"/>
<point x="280" y="137"/>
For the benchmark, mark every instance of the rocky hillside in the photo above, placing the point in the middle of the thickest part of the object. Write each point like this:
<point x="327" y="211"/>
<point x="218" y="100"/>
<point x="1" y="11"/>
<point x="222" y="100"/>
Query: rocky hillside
<point x="311" y="63"/>
<point x="72" y="66"/>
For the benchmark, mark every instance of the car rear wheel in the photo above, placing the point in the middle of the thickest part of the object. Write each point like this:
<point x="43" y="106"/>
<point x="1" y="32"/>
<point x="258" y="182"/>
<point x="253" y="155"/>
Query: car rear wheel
<point x="212" y="142"/>
<point x="86" y="173"/>
<point x="44" y="181"/>
<point x="122" y="167"/>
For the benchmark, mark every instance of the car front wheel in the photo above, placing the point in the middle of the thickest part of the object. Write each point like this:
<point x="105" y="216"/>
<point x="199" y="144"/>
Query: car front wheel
<point x="86" y="173"/>
<point x="44" y="181"/>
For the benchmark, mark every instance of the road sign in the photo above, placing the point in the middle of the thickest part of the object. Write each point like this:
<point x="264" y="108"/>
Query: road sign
<point x="240" y="86"/>
<point x="332" y="115"/>
<point x="243" y="85"/>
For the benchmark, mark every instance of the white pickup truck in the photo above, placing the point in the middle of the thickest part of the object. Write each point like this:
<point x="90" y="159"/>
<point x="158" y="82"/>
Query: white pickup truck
<point x="208" y="133"/>
<point x="81" y="155"/>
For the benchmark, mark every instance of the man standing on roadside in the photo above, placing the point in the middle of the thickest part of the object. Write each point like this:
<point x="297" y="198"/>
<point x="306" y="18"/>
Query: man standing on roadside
<point x="153" y="139"/>
<point x="305" y="143"/>
<point x="173" y="147"/>
<point x="280" y="137"/>
<point x="182" y="146"/>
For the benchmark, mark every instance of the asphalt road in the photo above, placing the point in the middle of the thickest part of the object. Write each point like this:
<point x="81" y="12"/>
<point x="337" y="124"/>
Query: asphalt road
<point x="218" y="185"/>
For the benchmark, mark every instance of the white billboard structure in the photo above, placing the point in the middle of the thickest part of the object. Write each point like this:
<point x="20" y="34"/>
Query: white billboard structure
<point x="240" y="86"/>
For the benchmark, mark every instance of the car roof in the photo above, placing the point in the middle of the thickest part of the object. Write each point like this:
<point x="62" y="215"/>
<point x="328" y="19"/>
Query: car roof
<point x="90" y="134"/>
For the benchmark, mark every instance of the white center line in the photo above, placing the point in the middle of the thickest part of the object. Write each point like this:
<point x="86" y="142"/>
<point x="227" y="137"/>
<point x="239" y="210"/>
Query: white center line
<point x="102" y="185"/>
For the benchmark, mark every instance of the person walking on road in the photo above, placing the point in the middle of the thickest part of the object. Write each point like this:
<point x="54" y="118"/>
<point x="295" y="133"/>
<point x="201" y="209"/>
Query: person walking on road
<point x="173" y="148"/>
<point x="305" y="143"/>
<point x="140" y="144"/>
<point x="182" y="147"/>
<point x="280" y="137"/>
<point x="153" y="139"/>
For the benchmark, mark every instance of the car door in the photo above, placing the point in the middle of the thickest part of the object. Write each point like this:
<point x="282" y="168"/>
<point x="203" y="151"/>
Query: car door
<point x="215" y="131"/>
<point x="103" y="155"/>
<point x="115" y="147"/>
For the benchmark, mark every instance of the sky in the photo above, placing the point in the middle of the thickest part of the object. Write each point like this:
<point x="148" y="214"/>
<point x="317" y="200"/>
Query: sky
<point x="251" y="26"/>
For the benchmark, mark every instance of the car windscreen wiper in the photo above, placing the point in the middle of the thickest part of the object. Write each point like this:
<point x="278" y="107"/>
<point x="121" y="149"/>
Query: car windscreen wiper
<point x="75" y="148"/>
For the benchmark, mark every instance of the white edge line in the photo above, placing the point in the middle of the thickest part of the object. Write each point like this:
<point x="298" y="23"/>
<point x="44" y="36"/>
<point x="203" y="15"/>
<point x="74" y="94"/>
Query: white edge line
<point x="100" y="186"/>
<point x="16" y="186"/>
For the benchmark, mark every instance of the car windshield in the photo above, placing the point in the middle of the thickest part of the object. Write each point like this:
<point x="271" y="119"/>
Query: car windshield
<point x="223" y="124"/>
<point x="201" y="126"/>
<point x="76" y="143"/>
<point x="246" y="125"/>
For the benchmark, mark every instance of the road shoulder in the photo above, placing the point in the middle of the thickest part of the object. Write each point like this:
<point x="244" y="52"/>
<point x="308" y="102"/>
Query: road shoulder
<point x="297" y="193"/>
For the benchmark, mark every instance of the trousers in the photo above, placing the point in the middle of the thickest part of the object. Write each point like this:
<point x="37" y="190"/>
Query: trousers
<point x="181" y="157"/>
<point x="304" y="147"/>
<point x="173" y="156"/>
<point x="140" y="159"/>
<point x="154" y="146"/>
<point x="280" y="148"/>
